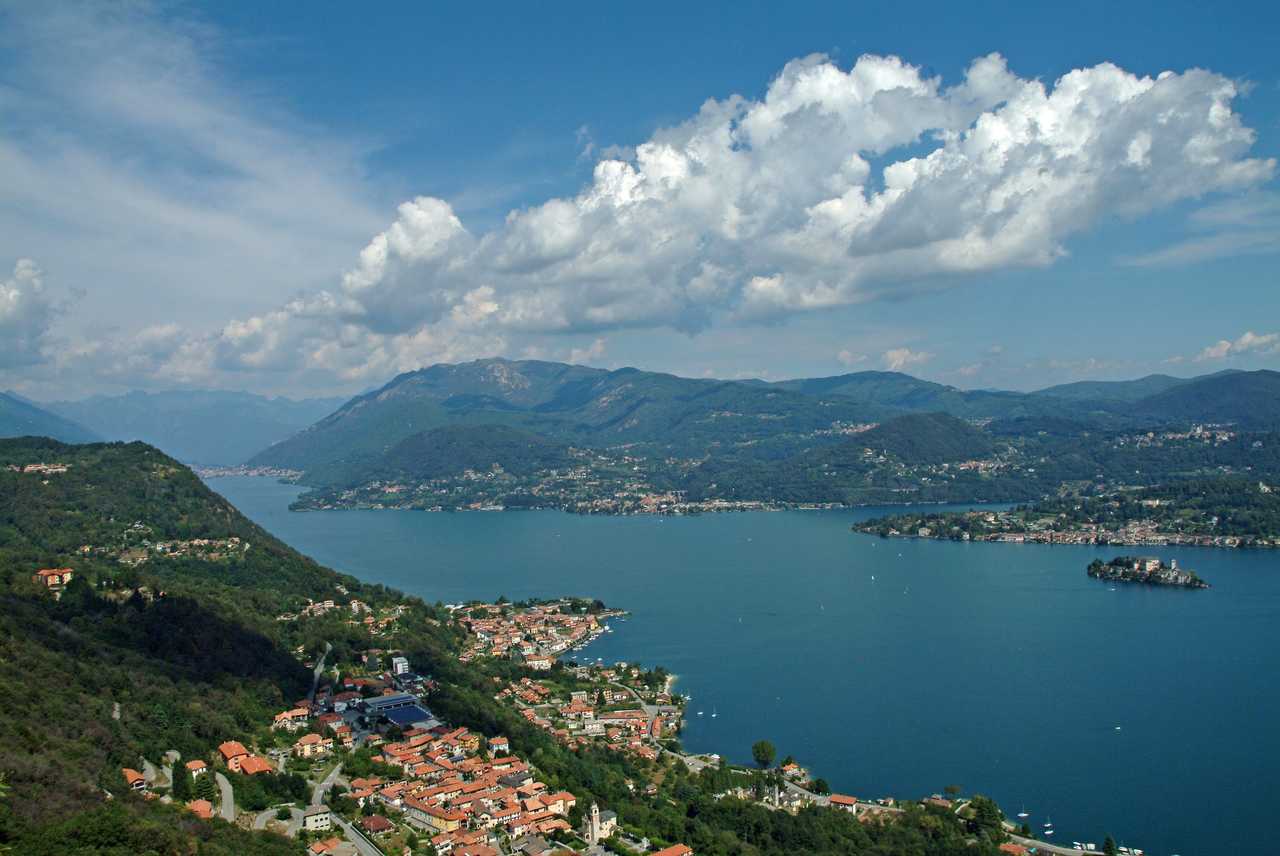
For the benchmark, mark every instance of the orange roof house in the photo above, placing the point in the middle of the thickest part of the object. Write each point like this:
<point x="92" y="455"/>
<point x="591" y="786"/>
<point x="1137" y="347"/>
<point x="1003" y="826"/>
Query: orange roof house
<point x="53" y="576"/>
<point x="202" y="809"/>
<point x="252" y="765"/>
<point x="134" y="779"/>
<point x="233" y="752"/>
<point x="676" y="850"/>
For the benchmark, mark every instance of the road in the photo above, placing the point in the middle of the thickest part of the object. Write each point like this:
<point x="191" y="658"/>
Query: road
<point x="1049" y="847"/>
<point x="227" y="807"/>
<point x="315" y="675"/>
<point x="317" y="796"/>
<point x="294" y="824"/>
<point x="356" y="837"/>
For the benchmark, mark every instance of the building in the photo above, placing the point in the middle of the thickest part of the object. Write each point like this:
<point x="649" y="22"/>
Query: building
<point x="135" y="780"/>
<point x="53" y="577"/>
<point x="600" y="825"/>
<point x="376" y="825"/>
<point x="675" y="850"/>
<point x="317" y="819"/>
<point x="399" y="666"/>
<point x="197" y="768"/>
<point x="233" y="754"/>
<point x="202" y="809"/>
<point x="291" y="720"/>
<point x="312" y="746"/>
<point x="844" y="803"/>
<point x="252" y="765"/>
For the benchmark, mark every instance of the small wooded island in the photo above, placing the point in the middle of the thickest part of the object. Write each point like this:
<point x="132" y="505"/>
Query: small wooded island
<point x="1146" y="569"/>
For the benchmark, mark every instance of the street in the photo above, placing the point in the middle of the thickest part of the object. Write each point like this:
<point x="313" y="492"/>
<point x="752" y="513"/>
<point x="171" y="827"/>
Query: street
<point x="227" y="808"/>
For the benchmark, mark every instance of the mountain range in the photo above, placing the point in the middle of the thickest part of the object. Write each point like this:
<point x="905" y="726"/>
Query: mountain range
<point x="22" y="418"/>
<point x="197" y="427"/>
<point x="662" y="413"/>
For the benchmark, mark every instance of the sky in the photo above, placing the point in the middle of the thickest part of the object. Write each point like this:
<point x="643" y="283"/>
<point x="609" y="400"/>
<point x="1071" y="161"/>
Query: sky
<point x="308" y="200"/>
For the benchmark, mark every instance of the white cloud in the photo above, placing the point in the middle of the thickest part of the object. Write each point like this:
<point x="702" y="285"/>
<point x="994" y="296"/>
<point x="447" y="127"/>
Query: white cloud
<point x="26" y="313"/>
<point x="850" y="358"/>
<point x="1246" y="225"/>
<point x="749" y="211"/>
<point x="590" y="354"/>
<point x="897" y="359"/>
<point x="1248" y="343"/>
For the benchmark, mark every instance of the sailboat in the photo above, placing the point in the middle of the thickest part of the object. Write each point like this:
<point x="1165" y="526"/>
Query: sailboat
<point x="714" y="714"/>
<point x="1023" y="814"/>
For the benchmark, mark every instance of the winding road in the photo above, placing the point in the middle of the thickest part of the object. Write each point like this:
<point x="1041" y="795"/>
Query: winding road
<point x="227" y="799"/>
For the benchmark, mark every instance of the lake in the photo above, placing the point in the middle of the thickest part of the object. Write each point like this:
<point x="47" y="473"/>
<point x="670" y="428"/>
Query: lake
<point x="896" y="667"/>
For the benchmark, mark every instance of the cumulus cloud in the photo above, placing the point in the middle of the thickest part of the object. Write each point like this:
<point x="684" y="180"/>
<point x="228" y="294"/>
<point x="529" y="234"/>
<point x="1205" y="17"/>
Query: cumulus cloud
<point x="755" y="209"/>
<point x="26" y="313"/>
<point x="1248" y="343"/>
<point x="850" y="358"/>
<point x="897" y="359"/>
<point x="590" y="354"/>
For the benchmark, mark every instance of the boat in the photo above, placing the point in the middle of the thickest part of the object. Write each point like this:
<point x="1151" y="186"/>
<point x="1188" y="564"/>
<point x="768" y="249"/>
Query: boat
<point x="699" y="713"/>
<point x="1023" y="814"/>
<point x="714" y="713"/>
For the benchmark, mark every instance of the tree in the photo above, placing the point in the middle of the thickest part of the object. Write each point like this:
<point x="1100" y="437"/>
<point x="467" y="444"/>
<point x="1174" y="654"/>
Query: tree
<point x="764" y="752"/>
<point x="953" y="791"/>
<point x="1109" y="846"/>
<point x="820" y="786"/>
<point x="204" y="787"/>
<point x="987" y="818"/>
<point x="182" y="784"/>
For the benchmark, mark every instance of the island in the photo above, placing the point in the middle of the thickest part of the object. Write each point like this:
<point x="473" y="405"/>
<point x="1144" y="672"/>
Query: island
<point x="1145" y="569"/>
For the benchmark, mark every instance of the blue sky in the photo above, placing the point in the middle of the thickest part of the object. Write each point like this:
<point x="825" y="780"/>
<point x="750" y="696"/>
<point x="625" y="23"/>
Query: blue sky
<point x="193" y="193"/>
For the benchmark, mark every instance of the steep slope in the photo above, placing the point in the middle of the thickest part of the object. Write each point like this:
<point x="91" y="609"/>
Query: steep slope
<point x="200" y="427"/>
<point x="1247" y="398"/>
<point x="21" y="418"/>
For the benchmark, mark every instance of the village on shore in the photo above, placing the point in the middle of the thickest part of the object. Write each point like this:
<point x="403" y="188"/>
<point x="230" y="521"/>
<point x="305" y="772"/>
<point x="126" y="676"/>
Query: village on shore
<point x="385" y="775"/>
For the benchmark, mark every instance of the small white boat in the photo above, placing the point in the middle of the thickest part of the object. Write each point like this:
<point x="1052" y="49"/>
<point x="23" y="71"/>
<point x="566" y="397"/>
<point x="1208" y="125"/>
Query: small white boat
<point x="699" y="713"/>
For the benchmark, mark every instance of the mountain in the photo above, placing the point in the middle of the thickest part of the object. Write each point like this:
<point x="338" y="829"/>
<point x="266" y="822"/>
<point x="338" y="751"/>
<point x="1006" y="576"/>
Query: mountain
<point x="927" y="438"/>
<point x="1114" y="390"/>
<point x="21" y="418"/>
<point x="452" y="449"/>
<point x="888" y="393"/>
<point x="563" y="403"/>
<point x="1248" y="398"/>
<point x="201" y="427"/>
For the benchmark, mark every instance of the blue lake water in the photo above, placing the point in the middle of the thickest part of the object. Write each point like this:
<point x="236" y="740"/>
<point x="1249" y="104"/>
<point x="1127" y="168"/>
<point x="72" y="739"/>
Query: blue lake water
<point x="896" y="667"/>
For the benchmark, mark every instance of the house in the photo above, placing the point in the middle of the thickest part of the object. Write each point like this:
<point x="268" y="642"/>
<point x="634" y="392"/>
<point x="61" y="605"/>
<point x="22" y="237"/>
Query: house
<point x="291" y="720"/>
<point x="499" y="746"/>
<point x="134" y="779"/>
<point x="202" y="809"/>
<point x="844" y="803"/>
<point x="675" y="850"/>
<point x="252" y="765"/>
<point x="197" y="768"/>
<point x="1015" y="849"/>
<point x="233" y="752"/>
<point x="377" y="825"/>
<point x="538" y="662"/>
<point x="53" y="577"/>
<point x="317" y="819"/>
<point x="312" y="746"/>
<point x="399" y="666"/>
<point x="332" y="847"/>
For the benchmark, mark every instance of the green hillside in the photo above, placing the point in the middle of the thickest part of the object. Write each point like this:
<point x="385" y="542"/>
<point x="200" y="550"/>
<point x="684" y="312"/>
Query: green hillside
<point x="454" y="448"/>
<point x="1248" y="398"/>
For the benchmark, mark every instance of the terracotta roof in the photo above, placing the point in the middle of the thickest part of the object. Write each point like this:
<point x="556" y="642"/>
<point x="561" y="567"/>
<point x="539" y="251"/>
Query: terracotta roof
<point x="132" y="776"/>
<point x="675" y="850"/>
<point x="253" y="765"/>
<point x="197" y="764"/>
<point x="201" y="808"/>
<point x="232" y="749"/>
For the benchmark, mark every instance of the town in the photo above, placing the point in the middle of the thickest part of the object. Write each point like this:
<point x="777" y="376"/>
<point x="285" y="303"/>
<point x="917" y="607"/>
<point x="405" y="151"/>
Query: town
<point x="362" y="766"/>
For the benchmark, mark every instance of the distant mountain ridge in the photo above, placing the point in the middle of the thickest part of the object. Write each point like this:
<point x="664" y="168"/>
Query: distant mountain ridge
<point x="19" y="417"/>
<point x="666" y="414"/>
<point x="195" y="426"/>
